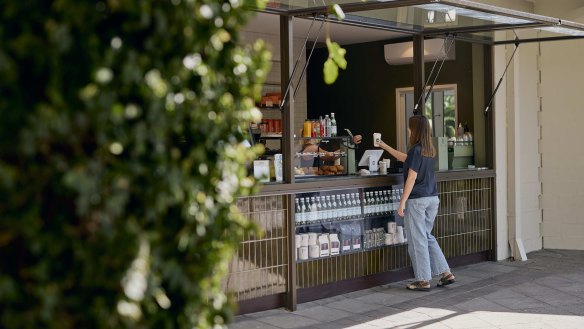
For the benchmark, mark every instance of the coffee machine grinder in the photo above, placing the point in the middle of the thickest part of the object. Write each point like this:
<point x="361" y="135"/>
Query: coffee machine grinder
<point x="351" y="147"/>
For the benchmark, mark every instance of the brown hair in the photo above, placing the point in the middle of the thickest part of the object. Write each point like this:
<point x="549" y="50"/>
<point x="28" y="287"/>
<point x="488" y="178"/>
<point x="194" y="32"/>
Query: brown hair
<point x="421" y="134"/>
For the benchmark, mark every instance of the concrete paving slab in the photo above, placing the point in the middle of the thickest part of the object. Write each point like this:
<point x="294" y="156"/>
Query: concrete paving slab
<point x="288" y="321"/>
<point x="242" y="322"/>
<point x="323" y="313"/>
<point x="547" y="291"/>
<point x="481" y="304"/>
<point x="381" y="298"/>
<point x="521" y="303"/>
<point x="353" y="306"/>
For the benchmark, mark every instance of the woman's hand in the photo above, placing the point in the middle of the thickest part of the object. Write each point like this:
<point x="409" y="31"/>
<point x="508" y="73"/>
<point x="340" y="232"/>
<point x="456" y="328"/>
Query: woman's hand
<point x="401" y="209"/>
<point x="357" y="139"/>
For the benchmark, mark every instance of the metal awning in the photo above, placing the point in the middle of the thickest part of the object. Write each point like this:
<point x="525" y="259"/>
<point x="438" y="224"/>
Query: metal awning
<point x="472" y="21"/>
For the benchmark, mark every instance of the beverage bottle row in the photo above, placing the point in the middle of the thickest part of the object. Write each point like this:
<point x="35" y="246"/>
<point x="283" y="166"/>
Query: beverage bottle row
<point x="323" y="127"/>
<point x="378" y="203"/>
<point x="330" y="208"/>
<point x="327" y="208"/>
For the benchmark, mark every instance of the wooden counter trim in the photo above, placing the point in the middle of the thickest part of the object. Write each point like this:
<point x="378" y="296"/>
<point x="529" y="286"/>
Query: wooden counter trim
<point x="331" y="184"/>
<point x="353" y="182"/>
<point x="442" y="176"/>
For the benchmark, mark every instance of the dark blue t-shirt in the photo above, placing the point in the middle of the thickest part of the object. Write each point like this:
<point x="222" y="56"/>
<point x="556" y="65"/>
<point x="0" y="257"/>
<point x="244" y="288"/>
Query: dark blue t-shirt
<point x="425" y="184"/>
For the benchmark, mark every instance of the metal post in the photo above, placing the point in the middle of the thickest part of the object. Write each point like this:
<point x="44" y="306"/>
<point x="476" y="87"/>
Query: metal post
<point x="286" y="56"/>
<point x="419" y="75"/>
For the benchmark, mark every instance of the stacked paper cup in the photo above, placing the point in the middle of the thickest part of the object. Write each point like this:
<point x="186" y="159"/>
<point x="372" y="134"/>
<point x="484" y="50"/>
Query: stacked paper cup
<point x="298" y="240"/>
<point x="388" y="239"/>
<point x="303" y="248"/>
<point x="400" y="234"/>
<point x="391" y="227"/>
<point x="313" y="248"/>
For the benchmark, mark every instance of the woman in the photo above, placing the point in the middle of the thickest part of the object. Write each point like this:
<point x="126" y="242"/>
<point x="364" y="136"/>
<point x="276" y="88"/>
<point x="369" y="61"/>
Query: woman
<point x="419" y="204"/>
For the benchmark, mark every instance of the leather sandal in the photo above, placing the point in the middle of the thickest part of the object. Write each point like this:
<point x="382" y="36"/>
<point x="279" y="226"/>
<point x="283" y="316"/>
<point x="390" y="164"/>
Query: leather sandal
<point x="446" y="280"/>
<point x="419" y="286"/>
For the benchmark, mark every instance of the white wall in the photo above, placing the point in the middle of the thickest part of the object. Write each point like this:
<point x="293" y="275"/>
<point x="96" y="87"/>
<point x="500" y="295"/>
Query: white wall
<point x="517" y="158"/>
<point x="563" y="134"/>
<point x="500" y="58"/>
<point x="527" y="83"/>
<point x="557" y="183"/>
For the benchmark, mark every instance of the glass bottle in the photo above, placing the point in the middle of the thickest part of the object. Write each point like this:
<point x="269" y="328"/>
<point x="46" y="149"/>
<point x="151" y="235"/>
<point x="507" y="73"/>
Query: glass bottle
<point x="306" y="211"/>
<point x="333" y="125"/>
<point x="326" y="207"/>
<point x="322" y="126"/>
<point x="393" y="198"/>
<point x="320" y="214"/>
<point x="386" y="202"/>
<point x="342" y="206"/>
<point x="358" y="207"/>
<point x="327" y="126"/>
<point x="313" y="210"/>
<point x="334" y="209"/>
<point x="298" y="215"/>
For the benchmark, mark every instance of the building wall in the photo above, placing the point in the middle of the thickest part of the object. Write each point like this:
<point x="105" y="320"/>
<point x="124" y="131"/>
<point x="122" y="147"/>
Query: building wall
<point x="551" y="165"/>
<point x="562" y="134"/>
<point x="530" y="163"/>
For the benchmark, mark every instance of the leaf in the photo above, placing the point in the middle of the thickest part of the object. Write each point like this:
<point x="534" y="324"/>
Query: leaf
<point x="337" y="53"/>
<point x="336" y="60"/>
<point x="338" y="11"/>
<point x="331" y="71"/>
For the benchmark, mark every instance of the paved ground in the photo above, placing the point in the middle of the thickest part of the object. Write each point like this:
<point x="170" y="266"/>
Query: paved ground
<point x="547" y="291"/>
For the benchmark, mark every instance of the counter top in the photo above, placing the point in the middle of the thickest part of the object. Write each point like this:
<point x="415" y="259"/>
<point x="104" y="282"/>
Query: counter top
<point x="323" y="183"/>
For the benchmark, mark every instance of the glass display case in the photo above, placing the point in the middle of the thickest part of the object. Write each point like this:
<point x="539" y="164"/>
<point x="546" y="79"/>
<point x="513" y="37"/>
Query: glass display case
<point x="346" y="221"/>
<point x="321" y="156"/>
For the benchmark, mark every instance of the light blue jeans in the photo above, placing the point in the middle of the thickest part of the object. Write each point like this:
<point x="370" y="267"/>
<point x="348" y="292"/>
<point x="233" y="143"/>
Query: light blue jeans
<point x="427" y="257"/>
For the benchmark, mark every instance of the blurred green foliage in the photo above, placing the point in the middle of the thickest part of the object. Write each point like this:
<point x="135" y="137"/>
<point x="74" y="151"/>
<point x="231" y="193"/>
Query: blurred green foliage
<point x="121" y="152"/>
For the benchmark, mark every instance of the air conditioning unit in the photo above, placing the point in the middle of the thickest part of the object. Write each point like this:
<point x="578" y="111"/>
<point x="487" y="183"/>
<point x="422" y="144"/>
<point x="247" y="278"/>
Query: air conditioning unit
<point x="403" y="52"/>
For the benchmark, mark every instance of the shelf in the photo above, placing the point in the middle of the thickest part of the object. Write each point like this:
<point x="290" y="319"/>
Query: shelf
<point x="323" y="138"/>
<point x="351" y="252"/>
<point x="320" y="154"/>
<point x="274" y="136"/>
<point x="360" y="218"/>
<point x="268" y="108"/>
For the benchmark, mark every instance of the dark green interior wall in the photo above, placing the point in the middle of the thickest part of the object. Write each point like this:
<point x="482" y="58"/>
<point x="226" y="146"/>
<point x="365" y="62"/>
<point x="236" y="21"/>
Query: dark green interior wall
<point x="363" y="98"/>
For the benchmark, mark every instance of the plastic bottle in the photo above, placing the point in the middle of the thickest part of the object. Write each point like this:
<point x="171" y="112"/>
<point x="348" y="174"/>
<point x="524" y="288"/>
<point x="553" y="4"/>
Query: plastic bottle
<point x="307" y="130"/>
<point x="327" y="126"/>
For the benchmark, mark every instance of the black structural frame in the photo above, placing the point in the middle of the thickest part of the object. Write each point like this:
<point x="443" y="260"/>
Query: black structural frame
<point x="290" y="187"/>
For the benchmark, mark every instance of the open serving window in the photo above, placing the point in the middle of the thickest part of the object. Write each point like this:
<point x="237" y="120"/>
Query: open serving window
<point x="380" y="23"/>
<point x="436" y="17"/>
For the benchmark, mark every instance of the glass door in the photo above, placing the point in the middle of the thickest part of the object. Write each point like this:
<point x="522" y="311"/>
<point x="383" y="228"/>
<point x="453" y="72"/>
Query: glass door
<point x="440" y="109"/>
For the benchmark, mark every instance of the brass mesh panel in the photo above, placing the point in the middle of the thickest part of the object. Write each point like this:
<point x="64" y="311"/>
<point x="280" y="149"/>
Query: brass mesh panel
<point x="259" y="267"/>
<point x="463" y="226"/>
<point x="465" y="220"/>
<point x="348" y="266"/>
